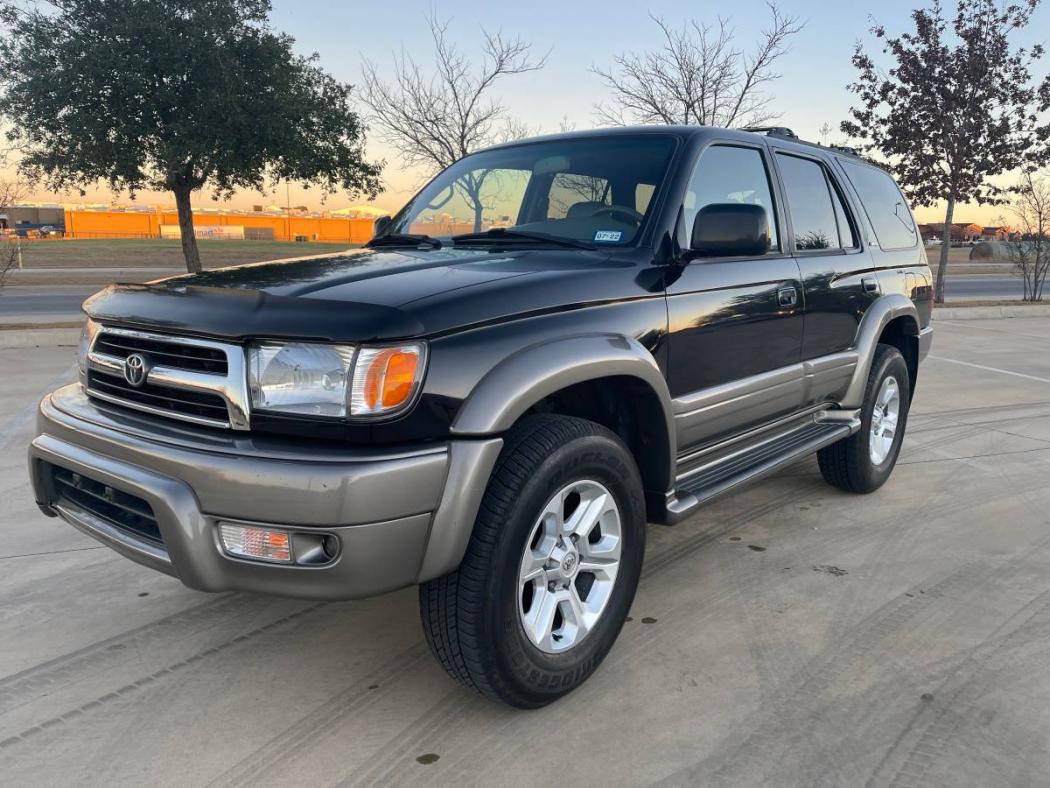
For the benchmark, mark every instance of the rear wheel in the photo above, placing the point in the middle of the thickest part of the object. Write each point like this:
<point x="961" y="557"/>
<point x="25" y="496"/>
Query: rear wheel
<point x="551" y="568"/>
<point x="864" y="461"/>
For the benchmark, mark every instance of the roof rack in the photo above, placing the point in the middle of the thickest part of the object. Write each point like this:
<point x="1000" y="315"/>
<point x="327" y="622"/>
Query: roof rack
<point x="772" y="131"/>
<point x="845" y="149"/>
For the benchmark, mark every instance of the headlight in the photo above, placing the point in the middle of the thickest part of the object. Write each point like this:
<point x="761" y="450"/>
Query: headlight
<point x="87" y="336"/>
<point x="333" y="380"/>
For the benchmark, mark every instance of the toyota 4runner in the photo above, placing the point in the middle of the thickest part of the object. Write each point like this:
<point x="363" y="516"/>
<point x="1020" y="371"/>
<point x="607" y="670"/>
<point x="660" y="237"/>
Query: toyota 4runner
<point x="555" y="342"/>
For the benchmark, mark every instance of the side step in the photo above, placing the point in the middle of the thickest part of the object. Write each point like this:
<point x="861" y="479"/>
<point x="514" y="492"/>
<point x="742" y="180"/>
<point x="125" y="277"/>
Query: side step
<point x="718" y="477"/>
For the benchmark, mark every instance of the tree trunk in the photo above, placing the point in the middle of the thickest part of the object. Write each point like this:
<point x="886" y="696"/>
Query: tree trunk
<point x="946" y="245"/>
<point x="189" y="240"/>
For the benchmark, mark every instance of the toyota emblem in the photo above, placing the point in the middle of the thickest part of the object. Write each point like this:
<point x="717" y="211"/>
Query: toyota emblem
<point x="136" y="368"/>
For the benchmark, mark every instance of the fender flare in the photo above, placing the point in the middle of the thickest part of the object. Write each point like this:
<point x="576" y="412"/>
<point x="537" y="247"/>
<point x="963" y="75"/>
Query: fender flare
<point x="877" y="316"/>
<point x="500" y="398"/>
<point x="521" y="380"/>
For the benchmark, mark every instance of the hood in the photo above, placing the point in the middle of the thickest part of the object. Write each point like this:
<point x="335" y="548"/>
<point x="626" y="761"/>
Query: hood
<point x="364" y="295"/>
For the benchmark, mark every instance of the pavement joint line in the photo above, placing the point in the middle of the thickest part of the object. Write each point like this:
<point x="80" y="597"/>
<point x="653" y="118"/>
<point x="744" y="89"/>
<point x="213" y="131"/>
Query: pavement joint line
<point x="976" y="325"/>
<point x="130" y="688"/>
<point x="53" y="552"/>
<point x="990" y="369"/>
<point x="972" y="456"/>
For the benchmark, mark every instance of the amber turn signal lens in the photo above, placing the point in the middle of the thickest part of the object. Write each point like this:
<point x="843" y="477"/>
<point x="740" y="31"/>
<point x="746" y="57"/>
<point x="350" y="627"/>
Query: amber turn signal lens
<point x="385" y="378"/>
<point x="261" y="544"/>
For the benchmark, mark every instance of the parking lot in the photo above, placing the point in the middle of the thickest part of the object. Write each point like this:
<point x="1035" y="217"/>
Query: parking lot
<point x="788" y="634"/>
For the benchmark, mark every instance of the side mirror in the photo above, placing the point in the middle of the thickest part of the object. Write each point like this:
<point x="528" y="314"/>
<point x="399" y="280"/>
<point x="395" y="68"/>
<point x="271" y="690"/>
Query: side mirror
<point x="381" y="224"/>
<point x="730" y="230"/>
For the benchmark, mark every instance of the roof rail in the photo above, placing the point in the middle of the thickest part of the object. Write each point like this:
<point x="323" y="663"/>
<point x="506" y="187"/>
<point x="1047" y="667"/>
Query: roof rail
<point x="772" y="131"/>
<point x="845" y="149"/>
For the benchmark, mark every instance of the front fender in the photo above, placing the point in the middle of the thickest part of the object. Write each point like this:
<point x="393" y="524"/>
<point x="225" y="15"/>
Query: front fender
<point x="518" y="382"/>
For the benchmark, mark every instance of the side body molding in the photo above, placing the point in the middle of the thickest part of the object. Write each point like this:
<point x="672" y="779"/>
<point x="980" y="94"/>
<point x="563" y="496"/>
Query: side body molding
<point x="876" y="318"/>
<point x="526" y="377"/>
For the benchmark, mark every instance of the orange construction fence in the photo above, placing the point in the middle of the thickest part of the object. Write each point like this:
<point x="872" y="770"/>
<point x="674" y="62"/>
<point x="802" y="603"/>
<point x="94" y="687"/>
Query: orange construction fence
<point x="147" y="224"/>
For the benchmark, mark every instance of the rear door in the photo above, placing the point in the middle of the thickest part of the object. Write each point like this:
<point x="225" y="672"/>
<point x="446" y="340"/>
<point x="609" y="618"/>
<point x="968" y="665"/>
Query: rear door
<point x="735" y="323"/>
<point x="837" y="271"/>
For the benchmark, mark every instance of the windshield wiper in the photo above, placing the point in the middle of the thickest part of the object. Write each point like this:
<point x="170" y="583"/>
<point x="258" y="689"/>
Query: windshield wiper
<point x="497" y="234"/>
<point x="404" y="239"/>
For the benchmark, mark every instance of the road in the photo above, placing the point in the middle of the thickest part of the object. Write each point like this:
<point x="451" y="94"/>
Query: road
<point x="64" y="302"/>
<point x="788" y="634"/>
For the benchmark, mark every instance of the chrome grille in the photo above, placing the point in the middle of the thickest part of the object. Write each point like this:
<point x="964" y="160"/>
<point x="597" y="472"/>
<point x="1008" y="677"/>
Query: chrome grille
<point x="195" y="380"/>
<point x="176" y="403"/>
<point x="173" y="354"/>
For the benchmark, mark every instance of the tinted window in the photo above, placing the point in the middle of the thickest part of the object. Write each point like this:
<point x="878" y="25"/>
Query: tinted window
<point x="643" y="193"/>
<point x="730" y="174"/>
<point x="884" y="204"/>
<point x="584" y="188"/>
<point x="809" y="203"/>
<point x="580" y="194"/>
<point x="846" y="235"/>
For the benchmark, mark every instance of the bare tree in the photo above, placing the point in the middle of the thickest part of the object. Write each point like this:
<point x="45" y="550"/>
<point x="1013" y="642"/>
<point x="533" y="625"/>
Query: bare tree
<point x="698" y="76"/>
<point x="434" y="117"/>
<point x="1030" y="253"/>
<point x="13" y="190"/>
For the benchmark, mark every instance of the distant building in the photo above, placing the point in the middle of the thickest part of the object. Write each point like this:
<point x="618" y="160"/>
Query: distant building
<point x="966" y="233"/>
<point x="930" y="232"/>
<point x="25" y="217"/>
<point x="1003" y="233"/>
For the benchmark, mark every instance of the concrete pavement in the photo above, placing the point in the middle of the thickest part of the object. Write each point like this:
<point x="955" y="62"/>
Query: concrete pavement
<point x="788" y="634"/>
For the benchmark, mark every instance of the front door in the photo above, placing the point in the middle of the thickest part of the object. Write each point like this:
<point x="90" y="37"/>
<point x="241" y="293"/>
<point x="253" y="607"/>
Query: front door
<point x="735" y="324"/>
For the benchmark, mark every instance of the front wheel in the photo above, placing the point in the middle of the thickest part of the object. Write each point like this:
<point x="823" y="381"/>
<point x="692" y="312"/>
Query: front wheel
<point x="864" y="461"/>
<point x="551" y="568"/>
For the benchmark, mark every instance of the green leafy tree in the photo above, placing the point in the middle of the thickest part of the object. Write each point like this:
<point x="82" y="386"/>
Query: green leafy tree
<point x="957" y="106"/>
<point x="148" y="94"/>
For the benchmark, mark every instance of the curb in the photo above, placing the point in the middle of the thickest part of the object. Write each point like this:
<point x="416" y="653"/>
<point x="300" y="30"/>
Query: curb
<point x="37" y="337"/>
<point x="989" y="312"/>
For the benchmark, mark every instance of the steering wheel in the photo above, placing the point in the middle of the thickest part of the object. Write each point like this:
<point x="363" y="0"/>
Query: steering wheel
<point x="621" y="213"/>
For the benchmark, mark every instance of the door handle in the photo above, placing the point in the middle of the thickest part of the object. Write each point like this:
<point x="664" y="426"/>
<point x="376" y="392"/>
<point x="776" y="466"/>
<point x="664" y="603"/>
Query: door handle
<point x="787" y="296"/>
<point x="870" y="284"/>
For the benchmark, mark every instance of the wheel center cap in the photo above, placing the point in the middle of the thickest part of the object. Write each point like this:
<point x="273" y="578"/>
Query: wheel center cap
<point x="568" y="563"/>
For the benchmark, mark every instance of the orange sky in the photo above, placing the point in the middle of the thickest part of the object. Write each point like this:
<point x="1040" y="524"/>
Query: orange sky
<point x="401" y="184"/>
<point x="811" y="92"/>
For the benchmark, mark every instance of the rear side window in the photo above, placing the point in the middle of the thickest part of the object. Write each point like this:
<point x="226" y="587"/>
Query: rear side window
<point x="730" y="174"/>
<point x="884" y="204"/>
<point x="818" y="217"/>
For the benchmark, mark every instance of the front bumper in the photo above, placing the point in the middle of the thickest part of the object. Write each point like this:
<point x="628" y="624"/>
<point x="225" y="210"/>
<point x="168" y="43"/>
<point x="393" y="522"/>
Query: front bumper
<point x="401" y="516"/>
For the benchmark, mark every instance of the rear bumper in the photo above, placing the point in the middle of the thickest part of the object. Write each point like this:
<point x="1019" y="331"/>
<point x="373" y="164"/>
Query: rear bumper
<point x="925" y="342"/>
<point x="396" y="517"/>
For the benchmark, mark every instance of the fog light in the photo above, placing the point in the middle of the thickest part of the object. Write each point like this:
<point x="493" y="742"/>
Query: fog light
<point x="261" y="544"/>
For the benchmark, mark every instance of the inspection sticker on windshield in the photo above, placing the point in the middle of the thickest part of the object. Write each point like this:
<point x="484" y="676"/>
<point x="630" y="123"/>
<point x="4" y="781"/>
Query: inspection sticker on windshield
<point x="607" y="236"/>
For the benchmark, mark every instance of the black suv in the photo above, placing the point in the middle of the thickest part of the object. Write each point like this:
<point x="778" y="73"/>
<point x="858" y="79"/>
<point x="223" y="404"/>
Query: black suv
<point x="554" y="342"/>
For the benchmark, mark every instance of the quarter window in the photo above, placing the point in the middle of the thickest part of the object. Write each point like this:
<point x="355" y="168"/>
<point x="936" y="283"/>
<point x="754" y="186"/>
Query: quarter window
<point x="727" y="173"/>
<point x="884" y="204"/>
<point x="818" y="216"/>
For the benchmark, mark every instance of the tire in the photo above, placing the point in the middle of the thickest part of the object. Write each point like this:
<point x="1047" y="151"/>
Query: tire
<point x="852" y="464"/>
<point x="475" y="617"/>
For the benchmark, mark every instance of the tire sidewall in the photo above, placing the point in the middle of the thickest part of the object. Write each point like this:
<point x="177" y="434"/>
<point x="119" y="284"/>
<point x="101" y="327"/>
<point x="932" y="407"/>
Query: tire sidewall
<point x="888" y="363"/>
<point x="529" y="670"/>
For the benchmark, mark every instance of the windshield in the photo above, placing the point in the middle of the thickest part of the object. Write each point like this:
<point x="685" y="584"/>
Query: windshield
<point x="596" y="190"/>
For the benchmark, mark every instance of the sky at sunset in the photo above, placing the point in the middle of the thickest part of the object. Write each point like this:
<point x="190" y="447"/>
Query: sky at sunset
<point x="578" y="34"/>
